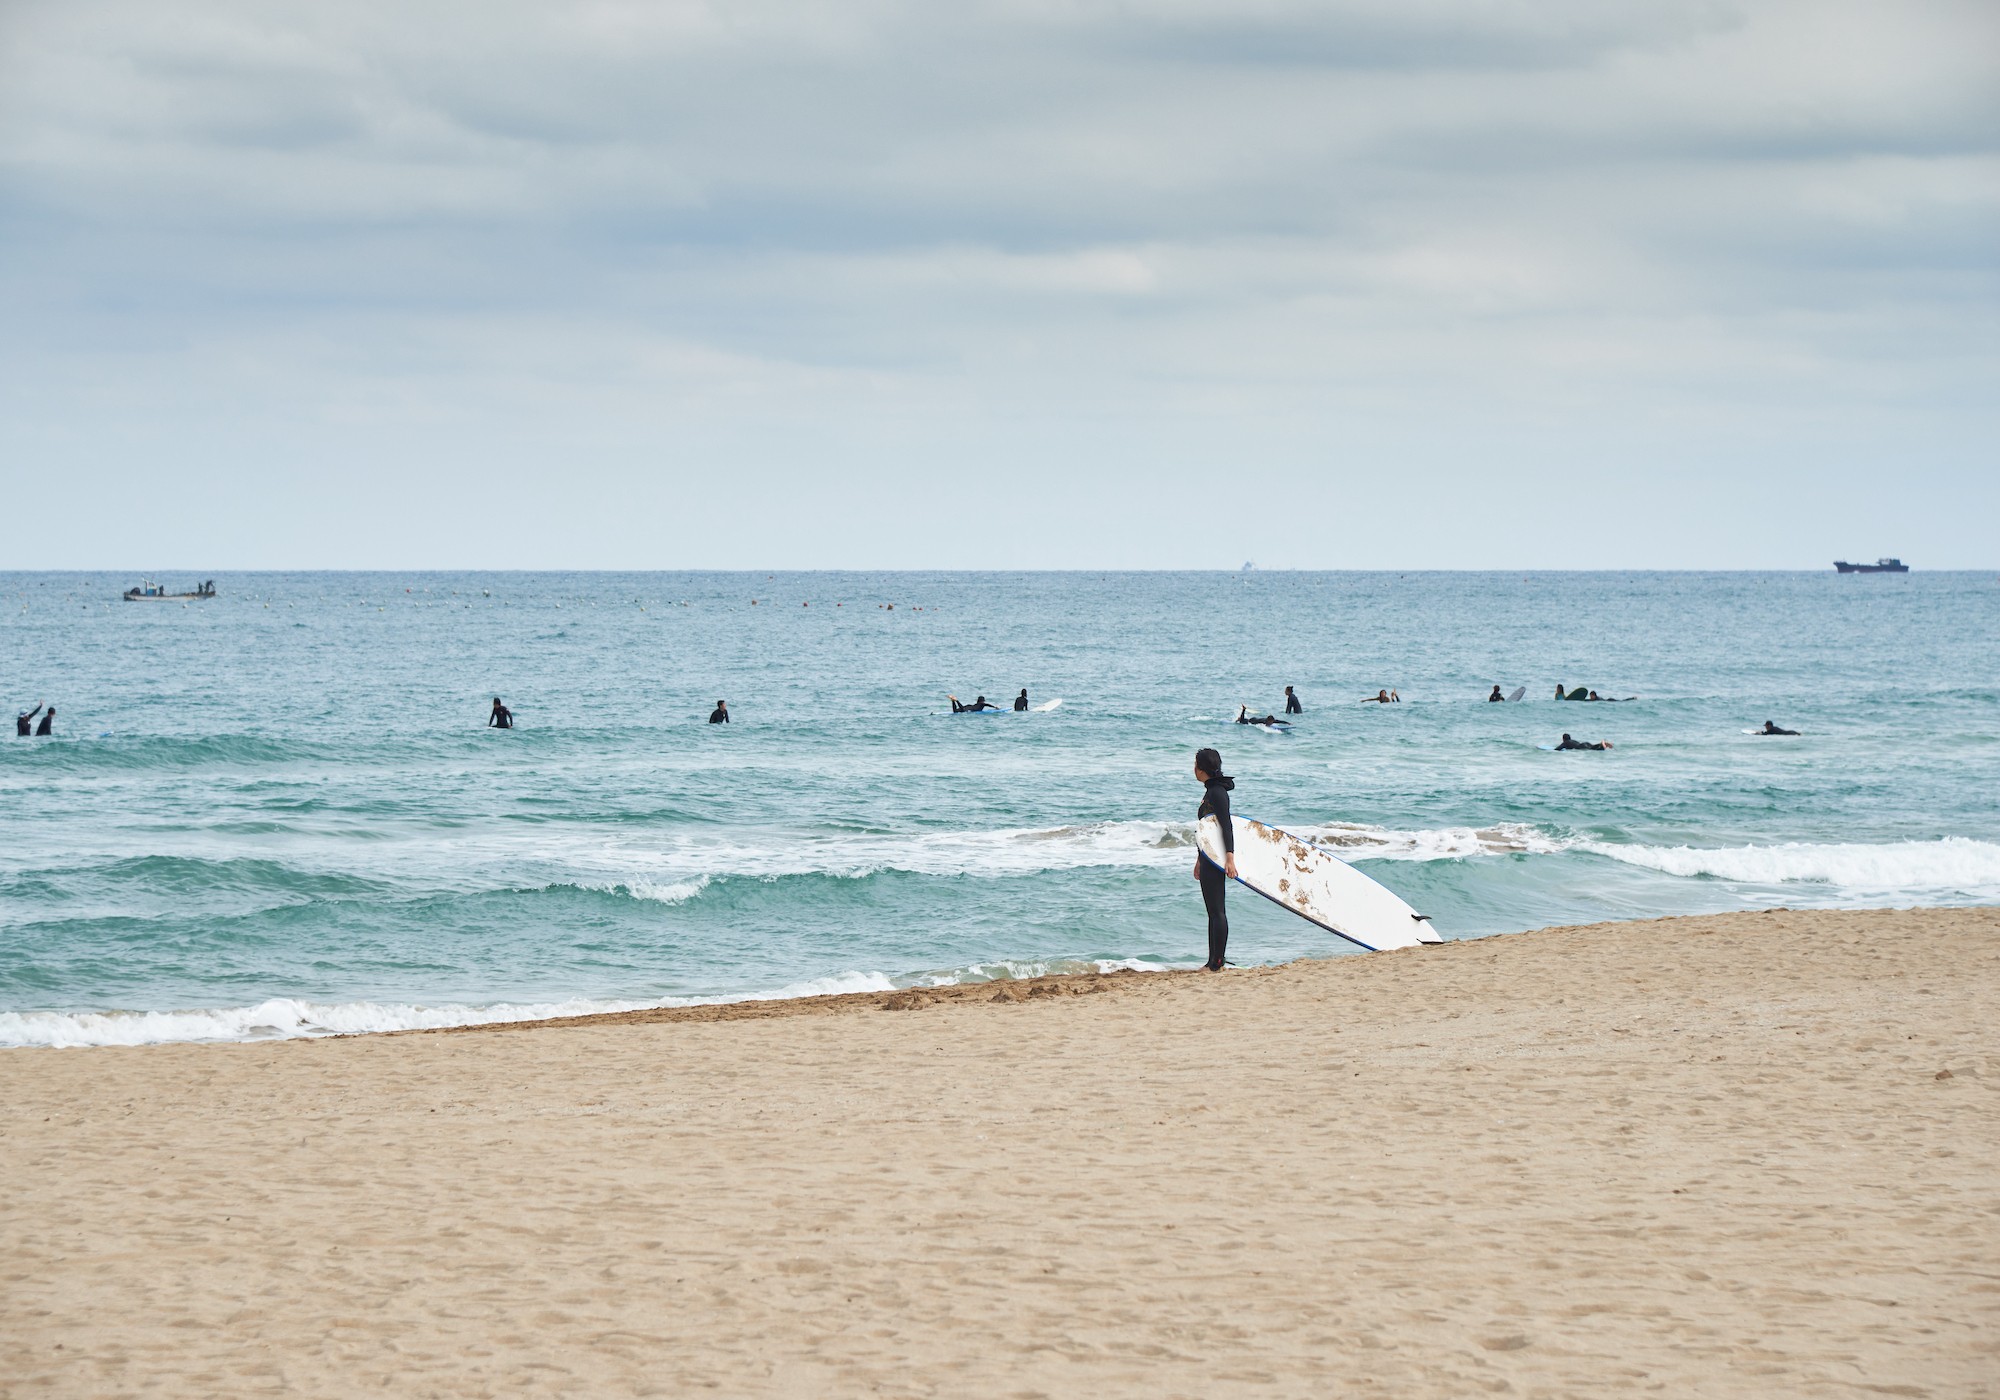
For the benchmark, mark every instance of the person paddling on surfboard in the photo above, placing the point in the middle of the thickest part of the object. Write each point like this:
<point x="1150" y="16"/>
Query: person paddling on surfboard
<point x="1569" y="743"/>
<point x="1382" y="697"/>
<point x="959" y="707"/>
<point x="1243" y="716"/>
<point x="1215" y="883"/>
<point x="1770" y="728"/>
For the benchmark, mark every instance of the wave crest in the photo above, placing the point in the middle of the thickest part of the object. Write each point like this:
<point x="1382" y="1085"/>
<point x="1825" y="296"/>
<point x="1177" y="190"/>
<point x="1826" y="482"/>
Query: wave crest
<point x="1952" y="864"/>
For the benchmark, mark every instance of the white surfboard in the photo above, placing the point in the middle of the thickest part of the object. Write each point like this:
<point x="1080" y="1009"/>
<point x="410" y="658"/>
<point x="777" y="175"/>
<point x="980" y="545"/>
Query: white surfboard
<point x="1318" y="886"/>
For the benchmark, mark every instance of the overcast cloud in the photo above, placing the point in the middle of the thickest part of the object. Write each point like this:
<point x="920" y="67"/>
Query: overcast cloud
<point x="1416" y="283"/>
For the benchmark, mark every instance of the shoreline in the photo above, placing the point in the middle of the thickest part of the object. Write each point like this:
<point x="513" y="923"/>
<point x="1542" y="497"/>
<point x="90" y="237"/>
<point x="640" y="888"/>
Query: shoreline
<point x="1749" y="1155"/>
<point x="764" y="1006"/>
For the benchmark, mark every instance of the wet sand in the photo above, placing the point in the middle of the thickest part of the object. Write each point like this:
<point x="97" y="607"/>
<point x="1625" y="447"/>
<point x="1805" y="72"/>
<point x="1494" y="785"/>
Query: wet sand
<point x="1748" y="1155"/>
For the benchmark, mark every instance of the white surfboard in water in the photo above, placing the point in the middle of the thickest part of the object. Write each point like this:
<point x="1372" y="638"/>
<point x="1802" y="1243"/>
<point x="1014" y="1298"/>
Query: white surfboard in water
<point x="1318" y="886"/>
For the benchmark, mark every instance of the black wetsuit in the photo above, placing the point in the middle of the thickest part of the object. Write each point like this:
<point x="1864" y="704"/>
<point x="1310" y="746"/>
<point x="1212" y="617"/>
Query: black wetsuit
<point x="1773" y="729"/>
<point x="1292" y="706"/>
<point x="24" y="724"/>
<point x="982" y="703"/>
<point x="1215" y="884"/>
<point x="501" y="718"/>
<point x="1496" y="695"/>
<point x="718" y="715"/>
<point x="42" y="729"/>
<point x="1021" y="701"/>
<point x="1574" y="744"/>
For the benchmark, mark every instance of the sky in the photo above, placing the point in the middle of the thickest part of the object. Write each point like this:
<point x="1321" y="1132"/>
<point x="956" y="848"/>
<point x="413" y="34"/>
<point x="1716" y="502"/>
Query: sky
<point x="999" y="284"/>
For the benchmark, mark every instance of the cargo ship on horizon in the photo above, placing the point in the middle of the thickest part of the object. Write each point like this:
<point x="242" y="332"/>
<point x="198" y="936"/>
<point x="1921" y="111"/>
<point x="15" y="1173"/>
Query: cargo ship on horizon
<point x="1880" y="566"/>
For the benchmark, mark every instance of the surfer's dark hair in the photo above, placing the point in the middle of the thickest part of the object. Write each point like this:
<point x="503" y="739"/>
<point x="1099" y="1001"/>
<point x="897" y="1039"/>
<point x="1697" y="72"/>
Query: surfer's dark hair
<point x="1209" y="761"/>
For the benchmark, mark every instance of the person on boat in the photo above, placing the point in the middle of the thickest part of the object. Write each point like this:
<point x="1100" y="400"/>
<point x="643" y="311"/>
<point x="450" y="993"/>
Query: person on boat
<point x="1021" y="701"/>
<point x="720" y="714"/>
<point x="1382" y="697"/>
<point x="1569" y="743"/>
<point x="1243" y="716"/>
<point x="958" y="707"/>
<point x="501" y="718"/>
<point x="42" y="729"/>
<point x="1496" y="695"/>
<point x="1215" y="882"/>
<point x="1292" y="705"/>
<point x="24" y="722"/>
<point x="1770" y="728"/>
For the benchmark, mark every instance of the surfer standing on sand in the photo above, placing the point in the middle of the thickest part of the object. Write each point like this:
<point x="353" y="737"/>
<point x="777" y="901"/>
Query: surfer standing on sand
<point x="1214" y="882"/>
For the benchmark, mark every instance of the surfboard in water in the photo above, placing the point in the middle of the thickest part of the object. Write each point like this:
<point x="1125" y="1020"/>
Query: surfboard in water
<point x="1519" y="691"/>
<point x="1317" y="885"/>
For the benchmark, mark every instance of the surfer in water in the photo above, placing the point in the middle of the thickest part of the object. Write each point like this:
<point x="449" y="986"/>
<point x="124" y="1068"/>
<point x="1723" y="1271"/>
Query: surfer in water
<point x="1292" y="706"/>
<point x="1497" y="696"/>
<point x="1021" y="701"/>
<point x="1214" y="882"/>
<point x="24" y="722"/>
<point x="1770" y="728"/>
<point x="959" y="707"/>
<point x="1382" y="697"/>
<point x="501" y="718"/>
<point x="42" y="730"/>
<point x="1243" y="716"/>
<point x="1569" y="743"/>
<point x="720" y="714"/>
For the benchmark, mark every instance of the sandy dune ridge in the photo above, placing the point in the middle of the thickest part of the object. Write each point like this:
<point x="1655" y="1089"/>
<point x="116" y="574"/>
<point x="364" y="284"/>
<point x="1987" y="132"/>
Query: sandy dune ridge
<point x="1746" y="1155"/>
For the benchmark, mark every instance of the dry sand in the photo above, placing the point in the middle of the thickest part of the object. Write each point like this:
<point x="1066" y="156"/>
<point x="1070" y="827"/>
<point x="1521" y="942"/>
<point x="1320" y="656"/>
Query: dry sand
<point x="1751" y="1155"/>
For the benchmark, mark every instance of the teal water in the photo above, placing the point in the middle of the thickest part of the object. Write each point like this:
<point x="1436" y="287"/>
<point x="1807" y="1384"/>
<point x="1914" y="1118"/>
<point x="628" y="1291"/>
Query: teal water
<point x="277" y="812"/>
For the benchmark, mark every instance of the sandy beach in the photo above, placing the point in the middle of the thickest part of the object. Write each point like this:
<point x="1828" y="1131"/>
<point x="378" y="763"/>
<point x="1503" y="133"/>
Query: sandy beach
<point x="1745" y="1155"/>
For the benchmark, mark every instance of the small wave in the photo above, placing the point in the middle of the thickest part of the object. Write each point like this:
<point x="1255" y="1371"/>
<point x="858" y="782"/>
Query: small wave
<point x="1356" y="842"/>
<point x="1954" y="863"/>
<point x="286" y="1018"/>
<point x="174" y="751"/>
<point x="669" y="892"/>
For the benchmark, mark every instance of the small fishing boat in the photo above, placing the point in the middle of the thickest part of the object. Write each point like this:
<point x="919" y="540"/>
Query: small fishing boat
<point x="150" y="592"/>
<point x="1880" y="566"/>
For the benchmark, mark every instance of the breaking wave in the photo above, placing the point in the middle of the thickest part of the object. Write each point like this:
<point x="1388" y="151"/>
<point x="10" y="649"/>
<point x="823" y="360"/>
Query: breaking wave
<point x="1953" y="864"/>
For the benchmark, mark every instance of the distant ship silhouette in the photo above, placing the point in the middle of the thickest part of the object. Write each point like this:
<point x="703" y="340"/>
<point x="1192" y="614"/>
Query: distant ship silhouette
<point x="1880" y="566"/>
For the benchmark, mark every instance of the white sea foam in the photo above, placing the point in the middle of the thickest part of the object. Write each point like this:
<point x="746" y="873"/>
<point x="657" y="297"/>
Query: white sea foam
<point x="659" y="892"/>
<point x="1955" y="863"/>
<point x="289" y="1019"/>
<point x="1354" y="842"/>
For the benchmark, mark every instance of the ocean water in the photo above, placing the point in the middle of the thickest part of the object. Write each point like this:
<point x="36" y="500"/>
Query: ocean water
<point x="278" y="813"/>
